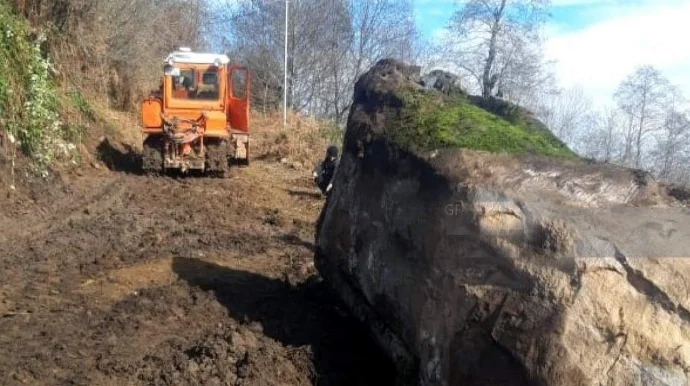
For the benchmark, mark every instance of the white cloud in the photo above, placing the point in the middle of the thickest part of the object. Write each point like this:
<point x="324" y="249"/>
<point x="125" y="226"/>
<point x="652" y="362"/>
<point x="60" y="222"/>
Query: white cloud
<point x="599" y="56"/>
<point x="565" y="3"/>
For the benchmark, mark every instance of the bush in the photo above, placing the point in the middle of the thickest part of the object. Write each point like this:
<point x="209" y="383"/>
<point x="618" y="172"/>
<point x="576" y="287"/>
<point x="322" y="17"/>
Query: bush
<point x="28" y="100"/>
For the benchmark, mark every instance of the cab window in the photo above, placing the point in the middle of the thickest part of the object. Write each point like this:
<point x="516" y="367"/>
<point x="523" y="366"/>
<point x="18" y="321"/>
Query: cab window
<point x="184" y="84"/>
<point x="239" y="84"/>
<point x="208" y="88"/>
<point x="192" y="84"/>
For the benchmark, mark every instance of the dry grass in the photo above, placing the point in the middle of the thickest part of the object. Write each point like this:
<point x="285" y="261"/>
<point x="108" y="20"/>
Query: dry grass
<point x="302" y="143"/>
<point x="88" y="114"/>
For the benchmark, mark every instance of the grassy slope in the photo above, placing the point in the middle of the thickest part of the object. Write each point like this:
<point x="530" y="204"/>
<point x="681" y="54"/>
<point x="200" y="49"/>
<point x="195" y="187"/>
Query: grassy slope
<point x="432" y="121"/>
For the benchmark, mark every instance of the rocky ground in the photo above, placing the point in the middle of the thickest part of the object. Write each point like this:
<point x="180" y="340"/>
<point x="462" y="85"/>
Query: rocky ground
<point x="111" y="277"/>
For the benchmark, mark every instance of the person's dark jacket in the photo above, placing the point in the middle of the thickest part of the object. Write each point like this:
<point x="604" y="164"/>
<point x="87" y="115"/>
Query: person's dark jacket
<point x="323" y="175"/>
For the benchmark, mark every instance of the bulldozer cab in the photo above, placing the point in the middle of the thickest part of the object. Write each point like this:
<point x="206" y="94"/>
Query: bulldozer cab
<point x="196" y="82"/>
<point x="201" y="113"/>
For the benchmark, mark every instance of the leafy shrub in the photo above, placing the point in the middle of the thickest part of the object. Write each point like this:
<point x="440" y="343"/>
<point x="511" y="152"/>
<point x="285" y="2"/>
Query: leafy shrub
<point x="28" y="100"/>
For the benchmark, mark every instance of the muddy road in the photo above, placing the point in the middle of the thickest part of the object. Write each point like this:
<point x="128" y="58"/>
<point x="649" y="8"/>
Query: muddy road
<point x="114" y="278"/>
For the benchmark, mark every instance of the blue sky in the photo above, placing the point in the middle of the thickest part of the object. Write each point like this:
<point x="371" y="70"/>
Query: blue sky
<point x="596" y="43"/>
<point x="568" y="15"/>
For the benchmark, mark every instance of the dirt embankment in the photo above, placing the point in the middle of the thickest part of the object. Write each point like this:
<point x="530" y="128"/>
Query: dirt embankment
<point x="109" y="277"/>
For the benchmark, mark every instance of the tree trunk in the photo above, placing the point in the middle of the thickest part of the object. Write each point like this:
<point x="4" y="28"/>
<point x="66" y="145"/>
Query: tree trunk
<point x="487" y="84"/>
<point x="638" y="145"/>
<point x="640" y="129"/>
<point x="488" y="81"/>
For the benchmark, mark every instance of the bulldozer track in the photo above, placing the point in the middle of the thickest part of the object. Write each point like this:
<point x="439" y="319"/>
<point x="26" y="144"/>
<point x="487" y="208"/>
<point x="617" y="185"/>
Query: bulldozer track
<point x="152" y="155"/>
<point x="217" y="153"/>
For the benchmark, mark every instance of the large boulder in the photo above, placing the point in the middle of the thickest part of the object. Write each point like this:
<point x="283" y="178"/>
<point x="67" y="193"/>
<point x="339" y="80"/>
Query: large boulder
<point x="443" y="81"/>
<point x="480" y="268"/>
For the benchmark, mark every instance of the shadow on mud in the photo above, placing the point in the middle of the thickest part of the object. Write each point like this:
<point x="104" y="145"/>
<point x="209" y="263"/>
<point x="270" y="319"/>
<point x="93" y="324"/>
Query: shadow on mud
<point x="308" y="314"/>
<point x="122" y="158"/>
<point x="297" y="241"/>
<point x="303" y="193"/>
<point x="125" y="158"/>
<point x="680" y="193"/>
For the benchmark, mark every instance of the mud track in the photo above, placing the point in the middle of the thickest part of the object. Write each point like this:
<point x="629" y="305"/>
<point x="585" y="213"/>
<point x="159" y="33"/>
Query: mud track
<point x="110" y="278"/>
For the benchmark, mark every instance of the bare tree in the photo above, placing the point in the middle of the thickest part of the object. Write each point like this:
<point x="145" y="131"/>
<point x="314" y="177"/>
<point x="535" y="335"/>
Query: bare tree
<point x="641" y="97"/>
<point x="683" y="173"/>
<point x="598" y="135"/>
<point x="330" y="44"/>
<point x="610" y="123"/>
<point x="499" y="43"/>
<point x="380" y="29"/>
<point x="135" y="54"/>
<point x="672" y="144"/>
<point x="673" y="138"/>
<point x="564" y="112"/>
<point x="107" y="47"/>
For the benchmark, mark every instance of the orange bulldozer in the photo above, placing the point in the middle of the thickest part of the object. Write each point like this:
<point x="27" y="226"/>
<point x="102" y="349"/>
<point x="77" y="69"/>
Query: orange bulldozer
<point x="199" y="119"/>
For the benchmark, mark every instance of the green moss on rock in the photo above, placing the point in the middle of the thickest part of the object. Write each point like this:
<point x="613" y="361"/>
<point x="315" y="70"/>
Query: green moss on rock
<point x="430" y="120"/>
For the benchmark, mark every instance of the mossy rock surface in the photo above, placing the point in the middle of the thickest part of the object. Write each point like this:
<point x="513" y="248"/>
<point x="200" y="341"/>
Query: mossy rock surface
<point x="420" y="118"/>
<point x="430" y="121"/>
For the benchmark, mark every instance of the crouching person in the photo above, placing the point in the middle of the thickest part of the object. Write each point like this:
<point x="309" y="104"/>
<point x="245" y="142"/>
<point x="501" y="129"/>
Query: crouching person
<point x="324" y="172"/>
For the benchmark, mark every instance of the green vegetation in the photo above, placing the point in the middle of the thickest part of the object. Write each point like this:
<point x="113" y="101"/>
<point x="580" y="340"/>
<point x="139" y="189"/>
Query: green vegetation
<point x="28" y="99"/>
<point x="81" y="104"/>
<point x="431" y="121"/>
